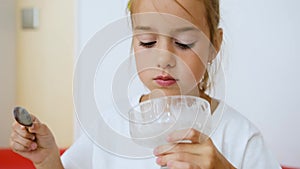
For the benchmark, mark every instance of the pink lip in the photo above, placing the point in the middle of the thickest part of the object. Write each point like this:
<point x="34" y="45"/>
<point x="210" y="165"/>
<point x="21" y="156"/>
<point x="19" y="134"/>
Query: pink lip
<point x="165" y="81"/>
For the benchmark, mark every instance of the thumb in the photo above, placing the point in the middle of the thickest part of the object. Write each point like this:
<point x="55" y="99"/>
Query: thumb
<point x="39" y="128"/>
<point x="34" y="118"/>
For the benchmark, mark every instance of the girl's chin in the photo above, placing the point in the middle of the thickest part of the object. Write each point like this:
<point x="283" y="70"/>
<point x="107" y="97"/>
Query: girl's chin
<point x="161" y="92"/>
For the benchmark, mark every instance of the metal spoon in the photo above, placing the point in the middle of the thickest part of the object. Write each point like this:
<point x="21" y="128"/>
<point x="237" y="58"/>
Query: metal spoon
<point x="22" y="116"/>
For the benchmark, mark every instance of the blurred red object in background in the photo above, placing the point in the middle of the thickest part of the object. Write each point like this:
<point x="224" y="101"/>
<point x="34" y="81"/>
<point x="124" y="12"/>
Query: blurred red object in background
<point x="11" y="160"/>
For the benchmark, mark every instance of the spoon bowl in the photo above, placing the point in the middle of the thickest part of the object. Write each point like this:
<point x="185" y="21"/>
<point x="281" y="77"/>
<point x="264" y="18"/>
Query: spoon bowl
<point x="22" y="116"/>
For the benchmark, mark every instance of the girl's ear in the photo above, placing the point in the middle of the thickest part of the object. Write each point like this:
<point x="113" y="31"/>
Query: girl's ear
<point x="218" y="39"/>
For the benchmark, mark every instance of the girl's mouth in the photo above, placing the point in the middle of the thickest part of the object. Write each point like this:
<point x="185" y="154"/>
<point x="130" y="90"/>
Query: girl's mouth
<point x="165" y="81"/>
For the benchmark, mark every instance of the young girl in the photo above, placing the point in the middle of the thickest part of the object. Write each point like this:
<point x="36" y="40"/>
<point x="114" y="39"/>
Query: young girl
<point x="172" y="57"/>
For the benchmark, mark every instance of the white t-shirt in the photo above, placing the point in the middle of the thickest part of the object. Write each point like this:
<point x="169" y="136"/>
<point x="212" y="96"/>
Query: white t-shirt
<point x="235" y="137"/>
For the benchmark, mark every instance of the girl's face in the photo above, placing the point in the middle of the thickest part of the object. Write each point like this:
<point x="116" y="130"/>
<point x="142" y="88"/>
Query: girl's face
<point x="171" y="44"/>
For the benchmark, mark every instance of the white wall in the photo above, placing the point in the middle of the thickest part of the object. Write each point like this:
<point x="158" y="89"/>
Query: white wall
<point x="45" y="61"/>
<point x="7" y="67"/>
<point x="263" y="69"/>
<point x="92" y="16"/>
<point x="261" y="43"/>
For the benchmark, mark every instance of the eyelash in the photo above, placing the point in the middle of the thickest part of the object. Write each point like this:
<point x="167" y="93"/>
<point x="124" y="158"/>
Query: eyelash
<point x="184" y="46"/>
<point x="147" y="44"/>
<point x="180" y="45"/>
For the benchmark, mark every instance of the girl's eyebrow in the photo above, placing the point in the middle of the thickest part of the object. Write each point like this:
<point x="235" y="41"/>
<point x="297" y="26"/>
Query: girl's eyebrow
<point x="185" y="29"/>
<point x="178" y="30"/>
<point x="145" y="28"/>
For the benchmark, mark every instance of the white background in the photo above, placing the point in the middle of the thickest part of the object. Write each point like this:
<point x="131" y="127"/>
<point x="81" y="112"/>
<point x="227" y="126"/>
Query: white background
<point x="261" y="63"/>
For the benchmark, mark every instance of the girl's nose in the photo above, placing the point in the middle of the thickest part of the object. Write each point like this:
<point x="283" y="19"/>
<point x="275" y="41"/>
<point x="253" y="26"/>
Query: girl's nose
<point x="166" y="57"/>
<point x="166" y="61"/>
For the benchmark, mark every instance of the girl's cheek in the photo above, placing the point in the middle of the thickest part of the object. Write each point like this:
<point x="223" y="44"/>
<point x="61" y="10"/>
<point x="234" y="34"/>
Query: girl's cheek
<point x="137" y="46"/>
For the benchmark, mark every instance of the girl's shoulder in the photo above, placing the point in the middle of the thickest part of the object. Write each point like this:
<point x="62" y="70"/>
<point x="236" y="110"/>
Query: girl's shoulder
<point x="240" y="141"/>
<point x="228" y="122"/>
<point x="226" y="118"/>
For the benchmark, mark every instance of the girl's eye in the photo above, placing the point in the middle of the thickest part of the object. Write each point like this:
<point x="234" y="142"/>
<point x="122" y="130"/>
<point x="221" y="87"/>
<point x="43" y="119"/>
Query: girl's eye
<point x="147" y="44"/>
<point x="184" y="46"/>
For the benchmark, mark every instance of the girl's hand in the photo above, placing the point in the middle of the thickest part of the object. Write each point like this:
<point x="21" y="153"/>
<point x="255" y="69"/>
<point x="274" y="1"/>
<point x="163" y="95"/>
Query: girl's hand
<point x="35" y="143"/>
<point x="193" y="155"/>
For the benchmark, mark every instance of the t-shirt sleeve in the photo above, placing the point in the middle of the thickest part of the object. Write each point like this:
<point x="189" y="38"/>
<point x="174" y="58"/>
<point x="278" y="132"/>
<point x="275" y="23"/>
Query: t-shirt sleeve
<point x="79" y="155"/>
<point x="257" y="155"/>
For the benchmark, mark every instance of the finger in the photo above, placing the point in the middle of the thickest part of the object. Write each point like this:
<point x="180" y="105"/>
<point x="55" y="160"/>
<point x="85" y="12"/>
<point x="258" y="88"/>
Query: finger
<point x="17" y="147"/>
<point x="181" y="165"/>
<point x="183" y="157"/>
<point x="186" y="134"/>
<point x="179" y="148"/>
<point x="23" y="141"/>
<point x="22" y="131"/>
